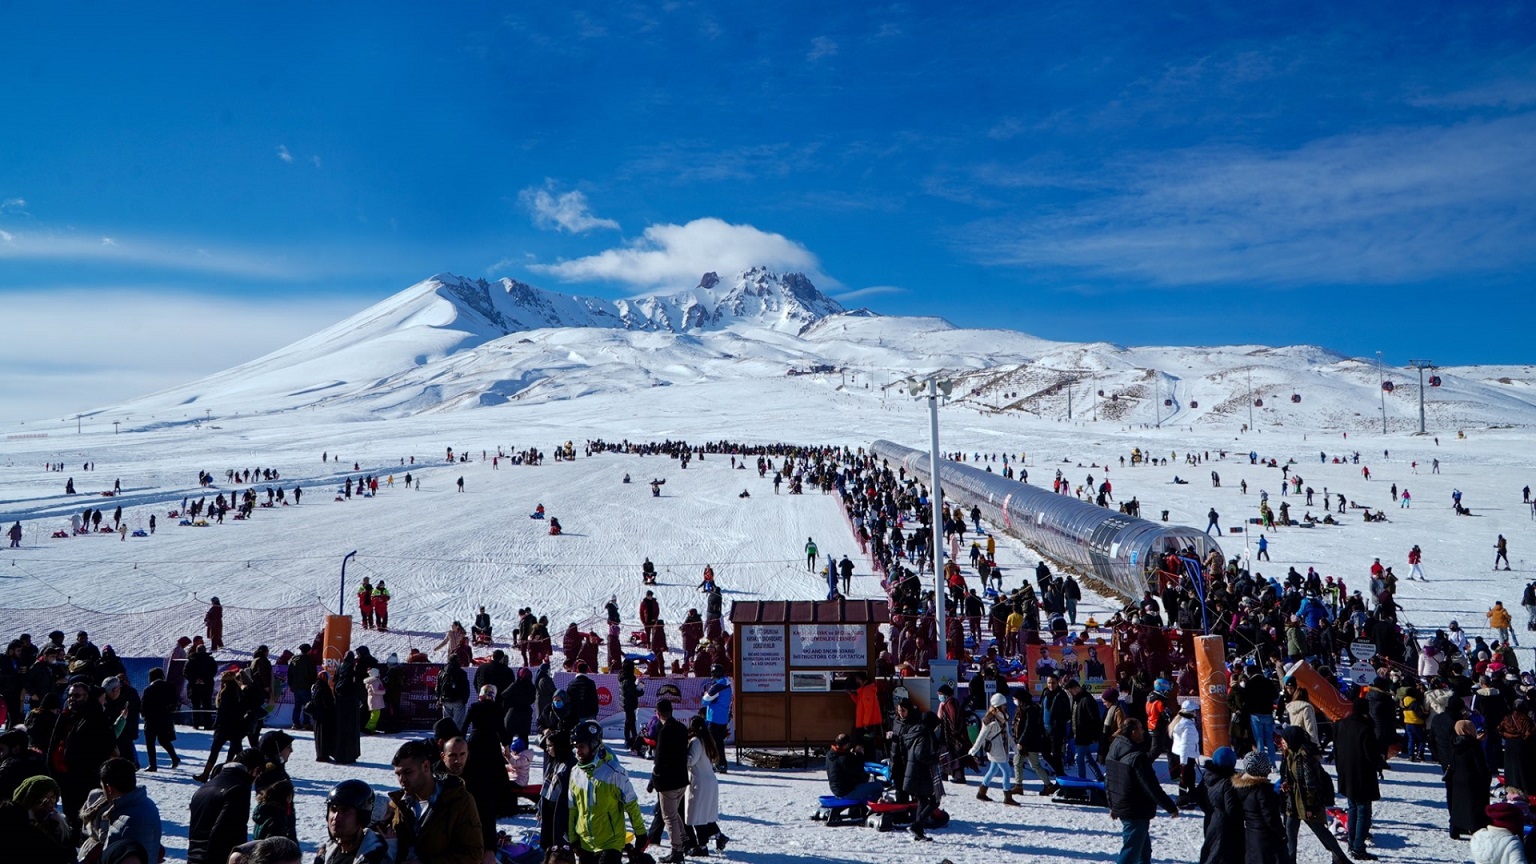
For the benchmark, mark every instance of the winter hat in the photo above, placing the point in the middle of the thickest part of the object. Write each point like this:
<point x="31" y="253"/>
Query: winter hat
<point x="33" y="790"/>
<point x="1256" y="764"/>
<point x="1190" y="705"/>
<point x="1506" y="816"/>
<point x="1224" y="757"/>
<point x="999" y="701"/>
<point x="1110" y="695"/>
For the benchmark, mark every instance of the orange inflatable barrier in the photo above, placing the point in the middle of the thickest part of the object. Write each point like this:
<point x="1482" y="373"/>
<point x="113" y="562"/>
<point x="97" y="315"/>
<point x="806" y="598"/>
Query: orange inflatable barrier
<point x="1321" y="692"/>
<point x="338" y="641"/>
<point x="1215" y="713"/>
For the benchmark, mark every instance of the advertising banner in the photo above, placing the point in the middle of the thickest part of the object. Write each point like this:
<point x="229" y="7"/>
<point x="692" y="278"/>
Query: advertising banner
<point x="1093" y="664"/>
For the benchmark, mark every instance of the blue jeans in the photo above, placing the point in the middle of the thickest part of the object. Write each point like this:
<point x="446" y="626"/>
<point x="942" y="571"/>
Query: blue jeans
<point x="1415" y="740"/>
<point x="1135" y="842"/>
<point x="869" y="790"/>
<point x="995" y="768"/>
<point x="1082" y="755"/>
<point x="1359" y="824"/>
<point x="1263" y="726"/>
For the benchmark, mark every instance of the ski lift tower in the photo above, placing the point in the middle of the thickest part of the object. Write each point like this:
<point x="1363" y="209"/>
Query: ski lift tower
<point x="1421" y="365"/>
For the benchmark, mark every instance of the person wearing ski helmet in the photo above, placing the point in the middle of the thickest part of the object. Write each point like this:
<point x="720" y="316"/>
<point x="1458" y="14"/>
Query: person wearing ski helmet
<point x="601" y="798"/>
<point x="349" y="822"/>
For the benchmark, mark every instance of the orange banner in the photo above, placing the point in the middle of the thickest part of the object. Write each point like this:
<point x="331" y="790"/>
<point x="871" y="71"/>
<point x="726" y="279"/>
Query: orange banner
<point x="1325" y="697"/>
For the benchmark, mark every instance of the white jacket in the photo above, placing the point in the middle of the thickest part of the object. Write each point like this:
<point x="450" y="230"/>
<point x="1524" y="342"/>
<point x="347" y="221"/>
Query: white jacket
<point x="994" y="738"/>
<point x="1301" y="713"/>
<point x="1186" y="737"/>
<point x="1496" y="846"/>
<point x="703" y="805"/>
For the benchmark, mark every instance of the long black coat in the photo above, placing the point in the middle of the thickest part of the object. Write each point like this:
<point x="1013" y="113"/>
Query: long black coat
<point x="1467" y="780"/>
<point x="322" y="713"/>
<point x="158" y="709"/>
<point x="920" y="745"/>
<point x="1357" y="757"/>
<point x="1223" y="810"/>
<point x="519" y="702"/>
<point x="348" y="744"/>
<point x="1263" y="833"/>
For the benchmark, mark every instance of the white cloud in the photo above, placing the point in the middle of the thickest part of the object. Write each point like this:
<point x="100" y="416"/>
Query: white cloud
<point x="6" y="236"/>
<point x="871" y="291"/>
<point x="1389" y="206"/>
<point x="14" y="207"/>
<point x="565" y="211"/>
<point x="283" y="154"/>
<point x="316" y="160"/>
<point x="144" y="252"/>
<point x="129" y="341"/>
<point x="821" y="47"/>
<point x="667" y="254"/>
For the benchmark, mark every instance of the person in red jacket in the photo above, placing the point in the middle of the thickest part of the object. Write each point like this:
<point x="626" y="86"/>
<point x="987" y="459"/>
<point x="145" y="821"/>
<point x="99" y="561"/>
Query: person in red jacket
<point x="365" y="603"/>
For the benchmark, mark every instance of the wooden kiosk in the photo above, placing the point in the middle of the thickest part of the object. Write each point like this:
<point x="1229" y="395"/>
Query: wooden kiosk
<point x="793" y="662"/>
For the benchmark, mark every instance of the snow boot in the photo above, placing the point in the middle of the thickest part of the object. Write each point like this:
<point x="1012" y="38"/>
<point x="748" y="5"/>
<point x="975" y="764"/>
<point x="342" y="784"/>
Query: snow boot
<point x="981" y="794"/>
<point x="1008" y="799"/>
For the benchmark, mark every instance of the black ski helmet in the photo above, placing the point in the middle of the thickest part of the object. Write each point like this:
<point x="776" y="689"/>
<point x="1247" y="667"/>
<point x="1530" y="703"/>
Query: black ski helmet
<point x="352" y="793"/>
<point x="587" y="732"/>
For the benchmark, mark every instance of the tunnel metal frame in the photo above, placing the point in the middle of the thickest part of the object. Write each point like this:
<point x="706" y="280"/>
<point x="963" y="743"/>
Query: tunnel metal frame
<point x="1120" y="551"/>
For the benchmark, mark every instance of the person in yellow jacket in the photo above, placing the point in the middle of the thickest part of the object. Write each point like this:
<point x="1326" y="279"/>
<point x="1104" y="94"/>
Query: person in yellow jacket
<point x="1498" y="619"/>
<point x="601" y="798"/>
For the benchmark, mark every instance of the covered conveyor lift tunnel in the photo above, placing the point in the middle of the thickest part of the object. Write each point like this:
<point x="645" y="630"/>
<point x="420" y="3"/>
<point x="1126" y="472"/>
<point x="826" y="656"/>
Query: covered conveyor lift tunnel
<point x="1121" y="552"/>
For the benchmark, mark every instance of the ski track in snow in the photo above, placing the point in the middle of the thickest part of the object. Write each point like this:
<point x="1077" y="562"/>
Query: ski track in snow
<point x="443" y="553"/>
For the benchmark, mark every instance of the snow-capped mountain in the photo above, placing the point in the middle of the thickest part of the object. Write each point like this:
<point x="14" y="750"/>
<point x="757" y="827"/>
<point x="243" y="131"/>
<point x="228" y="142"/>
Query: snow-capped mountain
<point x="450" y="343"/>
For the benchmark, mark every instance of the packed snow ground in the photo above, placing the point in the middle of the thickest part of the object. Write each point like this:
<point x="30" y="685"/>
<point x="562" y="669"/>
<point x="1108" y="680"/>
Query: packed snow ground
<point x="443" y="553"/>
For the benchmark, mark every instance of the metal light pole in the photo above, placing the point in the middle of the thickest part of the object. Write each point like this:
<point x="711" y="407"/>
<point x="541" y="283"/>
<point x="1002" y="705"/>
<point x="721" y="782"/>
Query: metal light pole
<point x="1421" y="365"/>
<point x="1381" y="381"/>
<point x="916" y="388"/>
<point x="938" y="523"/>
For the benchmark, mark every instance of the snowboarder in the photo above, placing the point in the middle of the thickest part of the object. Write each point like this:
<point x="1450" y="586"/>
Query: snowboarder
<point x="1213" y="526"/>
<point x="1501" y="552"/>
<point x="810" y="555"/>
<point x="1415" y="555"/>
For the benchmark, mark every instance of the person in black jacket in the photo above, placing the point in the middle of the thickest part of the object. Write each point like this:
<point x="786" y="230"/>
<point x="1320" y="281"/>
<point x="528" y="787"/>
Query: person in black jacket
<point x="82" y="740"/>
<point x="630" y="690"/>
<point x="669" y="778"/>
<point x="122" y="704"/>
<point x="519" y="700"/>
<point x="1030" y="743"/>
<point x="347" y="742"/>
<point x="221" y="809"/>
<point x="846" y="775"/>
<point x="453" y="691"/>
<point x="920" y="775"/>
<point x="1263" y="835"/>
<point x="301" y="680"/>
<point x="1223" y="809"/>
<point x="582" y="694"/>
<point x="158" y="709"/>
<point x="202" y="676"/>
<point x="484" y="720"/>
<point x="1442" y="734"/>
<point x="1468" y="778"/>
<point x="1057" y="705"/>
<point x="1087" y="727"/>
<point x="18" y="761"/>
<point x="229" y="723"/>
<point x="322" y="715"/>
<point x="1133" y="790"/>
<point x="1359" y="762"/>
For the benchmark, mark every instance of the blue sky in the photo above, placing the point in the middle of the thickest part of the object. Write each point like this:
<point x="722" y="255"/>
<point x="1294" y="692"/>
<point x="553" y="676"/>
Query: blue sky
<point x="1354" y="175"/>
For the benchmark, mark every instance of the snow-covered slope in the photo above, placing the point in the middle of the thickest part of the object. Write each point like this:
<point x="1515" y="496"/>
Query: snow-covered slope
<point x="449" y="344"/>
